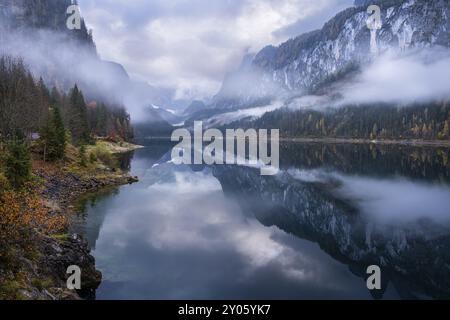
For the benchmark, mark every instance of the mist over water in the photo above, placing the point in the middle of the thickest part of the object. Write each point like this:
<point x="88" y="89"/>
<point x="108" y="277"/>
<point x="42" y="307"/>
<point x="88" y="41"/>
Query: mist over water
<point x="311" y="230"/>
<point x="225" y="232"/>
<point x="398" y="200"/>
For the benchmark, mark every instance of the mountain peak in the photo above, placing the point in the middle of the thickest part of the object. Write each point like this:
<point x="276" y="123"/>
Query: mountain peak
<point x="51" y="15"/>
<point x="302" y="64"/>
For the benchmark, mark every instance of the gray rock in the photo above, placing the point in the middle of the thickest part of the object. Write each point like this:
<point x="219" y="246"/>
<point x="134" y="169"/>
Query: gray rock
<point x="306" y="62"/>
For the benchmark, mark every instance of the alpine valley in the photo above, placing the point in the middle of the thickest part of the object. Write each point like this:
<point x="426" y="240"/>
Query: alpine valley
<point x="89" y="183"/>
<point x="328" y="83"/>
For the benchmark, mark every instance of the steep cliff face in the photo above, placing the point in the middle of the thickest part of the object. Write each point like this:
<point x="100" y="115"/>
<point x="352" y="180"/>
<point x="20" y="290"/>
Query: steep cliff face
<point x="25" y="15"/>
<point x="344" y="43"/>
<point x="37" y="32"/>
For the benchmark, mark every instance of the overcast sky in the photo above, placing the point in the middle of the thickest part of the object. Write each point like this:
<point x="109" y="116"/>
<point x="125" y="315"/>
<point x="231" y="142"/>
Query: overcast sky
<point x="190" y="45"/>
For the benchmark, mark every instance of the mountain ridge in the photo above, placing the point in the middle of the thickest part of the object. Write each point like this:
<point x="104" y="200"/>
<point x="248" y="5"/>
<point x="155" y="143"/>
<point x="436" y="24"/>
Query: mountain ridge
<point x="48" y="14"/>
<point x="301" y="64"/>
<point x="63" y="57"/>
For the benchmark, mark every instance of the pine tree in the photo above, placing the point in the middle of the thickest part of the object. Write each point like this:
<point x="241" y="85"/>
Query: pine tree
<point x="60" y="132"/>
<point x="53" y="136"/>
<point x="102" y="120"/>
<point x="55" y="96"/>
<point x="374" y="133"/>
<point x="18" y="162"/>
<point x="78" y="119"/>
<point x="445" y="132"/>
<point x="82" y="155"/>
<point x="43" y="100"/>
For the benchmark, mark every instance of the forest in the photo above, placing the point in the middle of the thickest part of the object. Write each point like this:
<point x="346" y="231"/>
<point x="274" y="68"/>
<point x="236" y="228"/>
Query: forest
<point x="27" y="105"/>
<point x="421" y="121"/>
<point x="47" y="136"/>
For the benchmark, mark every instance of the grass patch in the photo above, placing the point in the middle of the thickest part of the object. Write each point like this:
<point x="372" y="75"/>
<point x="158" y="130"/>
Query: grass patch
<point x="9" y="289"/>
<point x="61" y="237"/>
<point x="42" y="284"/>
<point x="101" y="152"/>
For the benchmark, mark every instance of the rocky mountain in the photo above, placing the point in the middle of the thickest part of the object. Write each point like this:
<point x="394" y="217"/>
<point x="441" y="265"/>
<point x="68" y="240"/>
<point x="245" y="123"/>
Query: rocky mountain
<point x="154" y="125"/>
<point x="311" y="60"/>
<point x="195" y="106"/>
<point x="363" y="2"/>
<point x="28" y="15"/>
<point x="37" y="32"/>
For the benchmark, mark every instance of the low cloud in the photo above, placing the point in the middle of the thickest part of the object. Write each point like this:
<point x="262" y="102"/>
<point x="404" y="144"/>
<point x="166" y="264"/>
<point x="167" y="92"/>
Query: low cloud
<point x="63" y="62"/>
<point x="413" y="77"/>
<point x="191" y="45"/>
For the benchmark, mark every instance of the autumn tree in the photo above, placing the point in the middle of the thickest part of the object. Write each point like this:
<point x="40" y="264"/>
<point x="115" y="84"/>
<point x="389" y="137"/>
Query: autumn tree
<point x="22" y="212"/>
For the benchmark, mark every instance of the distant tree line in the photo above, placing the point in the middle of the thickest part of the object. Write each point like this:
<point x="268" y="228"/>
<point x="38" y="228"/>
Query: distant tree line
<point x="427" y="121"/>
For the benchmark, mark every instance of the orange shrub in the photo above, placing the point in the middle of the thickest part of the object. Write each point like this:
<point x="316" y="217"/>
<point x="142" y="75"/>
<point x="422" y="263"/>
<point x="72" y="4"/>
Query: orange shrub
<point x="21" y="212"/>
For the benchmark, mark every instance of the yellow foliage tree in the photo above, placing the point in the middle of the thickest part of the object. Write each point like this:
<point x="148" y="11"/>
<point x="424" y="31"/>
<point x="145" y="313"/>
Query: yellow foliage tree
<point x="21" y="213"/>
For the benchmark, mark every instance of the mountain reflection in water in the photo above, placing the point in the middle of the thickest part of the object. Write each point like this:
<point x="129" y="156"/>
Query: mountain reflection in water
<point x="225" y="232"/>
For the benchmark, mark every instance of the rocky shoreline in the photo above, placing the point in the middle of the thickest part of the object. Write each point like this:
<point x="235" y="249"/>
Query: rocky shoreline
<point x="45" y="275"/>
<point x="59" y="254"/>
<point x="64" y="189"/>
<point x="56" y="256"/>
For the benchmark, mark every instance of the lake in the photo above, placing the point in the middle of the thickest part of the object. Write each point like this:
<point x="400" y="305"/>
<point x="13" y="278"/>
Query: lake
<point x="310" y="232"/>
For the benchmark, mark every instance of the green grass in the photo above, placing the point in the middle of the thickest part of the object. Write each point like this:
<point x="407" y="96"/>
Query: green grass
<point x="61" y="237"/>
<point x="10" y="290"/>
<point x="42" y="284"/>
<point x="103" y="153"/>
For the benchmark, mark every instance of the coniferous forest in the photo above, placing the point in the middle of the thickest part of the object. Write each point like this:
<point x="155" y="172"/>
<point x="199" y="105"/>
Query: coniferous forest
<point x="427" y="121"/>
<point x="28" y="105"/>
<point x="352" y="202"/>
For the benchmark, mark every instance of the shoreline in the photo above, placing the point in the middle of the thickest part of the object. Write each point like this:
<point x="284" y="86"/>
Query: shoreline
<point x="44" y="276"/>
<point x="77" y="249"/>
<point x="406" y="142"/>
<point x="119" y="147"/>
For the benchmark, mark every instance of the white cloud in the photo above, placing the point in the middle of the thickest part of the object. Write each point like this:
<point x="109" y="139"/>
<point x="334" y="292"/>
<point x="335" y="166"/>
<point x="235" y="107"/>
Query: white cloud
<point x="418" y="76"/>
<point x="254" y="113"/>
<point x="191" y="45"/>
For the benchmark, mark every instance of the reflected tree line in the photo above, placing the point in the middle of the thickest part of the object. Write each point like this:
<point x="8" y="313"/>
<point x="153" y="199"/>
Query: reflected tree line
<point x="421" y="163"/>
<point x="414" y="257"/>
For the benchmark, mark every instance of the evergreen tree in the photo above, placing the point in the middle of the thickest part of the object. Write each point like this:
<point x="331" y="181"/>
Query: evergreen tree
<point x="78" y="119"/>
<point x="82" y="155"/>
<point x="53" y="136"/>
<point x="55" y="96"/>
<point x="18" y="162"/>
<point x="445" y="132"/>
<point x="60" y="131"/>
<point x="102" y="120"/>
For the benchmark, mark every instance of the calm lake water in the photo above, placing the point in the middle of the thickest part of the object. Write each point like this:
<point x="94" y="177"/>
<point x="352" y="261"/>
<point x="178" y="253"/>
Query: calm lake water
<point x="225" y="232"/>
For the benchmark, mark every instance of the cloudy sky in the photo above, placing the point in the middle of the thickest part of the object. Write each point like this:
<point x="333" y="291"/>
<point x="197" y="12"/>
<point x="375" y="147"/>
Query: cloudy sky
<point x="189" y="45"/>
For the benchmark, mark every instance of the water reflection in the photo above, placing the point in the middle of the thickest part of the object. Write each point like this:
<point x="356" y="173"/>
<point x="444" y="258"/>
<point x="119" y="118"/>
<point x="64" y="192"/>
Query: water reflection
<point x="412" y="247"/>
<point x="225" y="232"/>
<point x="382" y="161"/>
